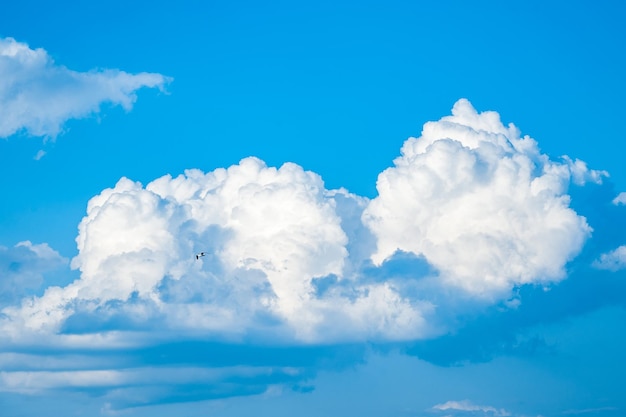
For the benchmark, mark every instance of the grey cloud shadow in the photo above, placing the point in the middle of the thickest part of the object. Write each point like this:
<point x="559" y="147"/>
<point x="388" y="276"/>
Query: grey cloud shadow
<point x="23" y="273"/>
<point x="500" y="330"/>
<point x="481" y="336"/>
<point x="401" y="265"/>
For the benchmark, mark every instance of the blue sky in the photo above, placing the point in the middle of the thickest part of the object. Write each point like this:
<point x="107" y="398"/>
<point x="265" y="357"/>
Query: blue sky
<point x="407" y="208"/>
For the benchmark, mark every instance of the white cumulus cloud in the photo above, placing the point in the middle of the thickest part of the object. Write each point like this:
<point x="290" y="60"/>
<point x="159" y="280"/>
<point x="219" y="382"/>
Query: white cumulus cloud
<point x="38" y="96"/>
<point x="469" y="210"/>
<point x="614" y="260"/>
<point x="481" y="203"/>
<point x="270" y="234"/>
<point x="289" y="259"/>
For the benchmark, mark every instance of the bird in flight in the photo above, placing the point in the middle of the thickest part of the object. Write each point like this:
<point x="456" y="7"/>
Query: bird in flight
<point x="200" y="255"/>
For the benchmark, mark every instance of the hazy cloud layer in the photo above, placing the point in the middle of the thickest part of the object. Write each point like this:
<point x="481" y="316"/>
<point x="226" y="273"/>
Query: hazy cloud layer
<point x="22" y="269"/>
<point x="38" y="96"/>
<point x="470" y="213"/>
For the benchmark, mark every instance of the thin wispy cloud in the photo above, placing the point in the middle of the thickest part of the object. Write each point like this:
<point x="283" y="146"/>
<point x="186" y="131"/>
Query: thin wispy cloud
<point x="620" y="199"/>
<point x="38" y="95"/>
<point x="591" y="411"/>
<point x="466" y="407"/>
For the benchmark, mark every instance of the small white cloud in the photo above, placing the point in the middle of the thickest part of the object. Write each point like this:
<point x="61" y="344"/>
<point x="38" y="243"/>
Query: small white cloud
<point x="612" y="261"/>
<point x="581" y="174"/>
<point x="40" y="154"/>
<point x="480" y="203"/>
<point x="620" y="199"/>
<point x="467" y="406"/>
<point x="477" y="208"/>
<point x="38" y="96"/>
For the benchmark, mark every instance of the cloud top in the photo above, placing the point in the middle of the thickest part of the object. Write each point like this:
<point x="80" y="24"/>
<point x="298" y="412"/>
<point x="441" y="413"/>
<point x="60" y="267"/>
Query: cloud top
<point x="272" y="237"/>
<point x="481" y="203"/>
<point x="38" y="96"/>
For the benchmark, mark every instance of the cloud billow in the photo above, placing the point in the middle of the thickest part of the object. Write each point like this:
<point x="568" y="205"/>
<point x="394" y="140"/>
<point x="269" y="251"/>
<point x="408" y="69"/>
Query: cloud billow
<point x="470" y="211"/>
<point x="38" y="96"/>
<point x="270" y="235"/>
<point x="481" y="204"/>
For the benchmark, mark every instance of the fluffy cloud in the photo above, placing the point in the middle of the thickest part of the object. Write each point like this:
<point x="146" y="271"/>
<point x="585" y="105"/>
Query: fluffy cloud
<point x="614" y="260"/>
<point x="39" y="96"/>
<point x="472" y="199"/>
<point x="271" y="236"/>
<point x="470" y="210"/>
<point x="480" y="203"/>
